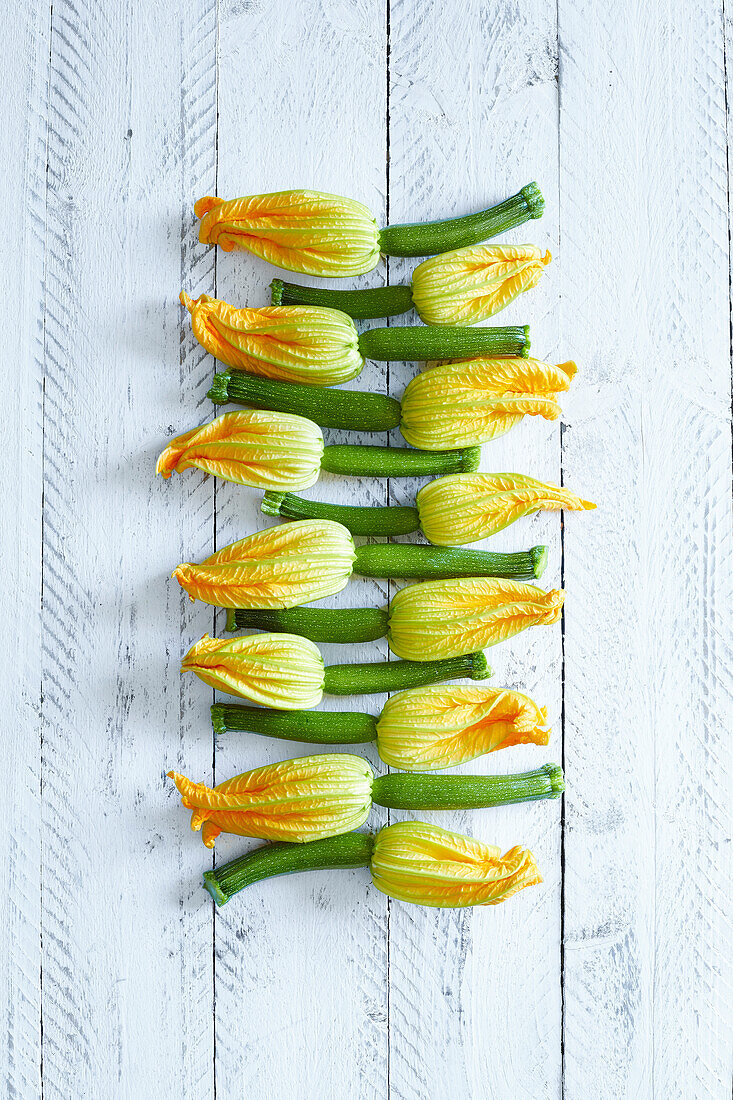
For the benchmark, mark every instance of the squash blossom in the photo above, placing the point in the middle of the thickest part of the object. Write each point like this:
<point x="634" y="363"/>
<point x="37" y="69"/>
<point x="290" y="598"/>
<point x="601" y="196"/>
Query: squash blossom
<point x="421" y="729"/>
<point x="424" y="622"/>
<point x="312" y="558"/>
<point x="298" y="800"/>
<point x="286" y="671"/>
<point x="332" y="237"/>
<point x="280" y="567"/>
<point x="252" y="448"/>
<point x="450" y="511"/>
<point x="457" y="404"/>
<point x="428" y="621"/>
<point x="320" y="796"/>
<point x="410" y="861"/>
<point x="274" y="450"/>
<point x="290" y="343"/>
<point x="317" y="345"/>
<point x="457" y="288"/>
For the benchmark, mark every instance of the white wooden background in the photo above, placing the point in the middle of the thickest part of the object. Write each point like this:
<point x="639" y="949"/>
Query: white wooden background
<point x="118" y="978"/>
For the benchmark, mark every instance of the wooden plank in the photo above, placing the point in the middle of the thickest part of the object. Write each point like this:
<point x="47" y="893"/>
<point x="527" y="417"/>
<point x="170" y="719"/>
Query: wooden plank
<point x="25" y="42"/>
<point x="301" y="966"/>
<point x="648" y="691"/>
<point x="475" y="995"/>
<point x="127" y="942"/>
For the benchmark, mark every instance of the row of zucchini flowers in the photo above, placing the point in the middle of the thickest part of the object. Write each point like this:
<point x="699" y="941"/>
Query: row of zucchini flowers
<point x="282" y="360"/>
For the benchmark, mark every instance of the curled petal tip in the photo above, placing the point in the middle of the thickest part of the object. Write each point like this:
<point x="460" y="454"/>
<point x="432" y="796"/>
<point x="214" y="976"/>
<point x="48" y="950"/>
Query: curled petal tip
<point x="588" y="505"/>
<point x="184" y="299"/>
<point x="547" y="258"/>
<point x="205" y="204"/>
<point x="570" y="369"/>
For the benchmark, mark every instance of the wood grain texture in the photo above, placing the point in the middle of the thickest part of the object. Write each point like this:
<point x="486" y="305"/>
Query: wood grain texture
<point x="473" y="113"/>
<point x="24" y="124"/>
<point x="127" y="957"/>
<point x="645" y="293"/>
<point x="301" y="962"/>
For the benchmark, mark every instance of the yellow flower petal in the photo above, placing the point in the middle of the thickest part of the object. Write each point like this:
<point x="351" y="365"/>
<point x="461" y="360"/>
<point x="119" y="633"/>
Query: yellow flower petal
<point x="268" y="450"/>
<point x="274" y="670"/>
<point x="447" y="618"/>
<point x="439" y="727"/>
<point x="462" y="508"/>
<point x="462" y="404"/>
<point x="310" y="344"/>
<point x="471" y="284"/>
<point x="297" y="800"/>
<point x="282" y="566"/>
<point x="427" y="865"/>
<point x="307" y="231"/>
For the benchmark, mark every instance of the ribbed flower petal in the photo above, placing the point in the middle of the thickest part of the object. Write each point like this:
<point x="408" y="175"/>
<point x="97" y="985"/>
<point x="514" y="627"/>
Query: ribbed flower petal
<point x="447" y="618"/>
<point x="471" y="284"/>
<point x="268" y="450"/>
<point x="306" y="231"/>
<point x="304" y="799"/>
<point x="275" y="670"/>
<point x="462" y="404"/>
<point x="310" y="344"/>
<point x="282" y="566"/>
<point x="462" y="508"/>
<point x="439" y="727"/>
<point x="427" y="865"/>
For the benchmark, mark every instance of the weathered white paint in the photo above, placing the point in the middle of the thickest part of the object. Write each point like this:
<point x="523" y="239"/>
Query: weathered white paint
<point x="118" y="979"/>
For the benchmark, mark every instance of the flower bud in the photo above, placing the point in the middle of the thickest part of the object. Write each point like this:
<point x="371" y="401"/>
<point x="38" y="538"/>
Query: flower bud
<point x="274" y="670"/>
<point x="439" y="727"/>
<point x="309" y="344"/>
<point x="462" y="404"/>
<point x="296" y="800"/>
<point x="276" y="568"/>
<point x="462" y="508"/>
<point x="471" y="284"/>
<point x="427" y="865"/>
<point x="446" y="618"/>
<point x="306" y="231"/>
<point x="265" y="449"/>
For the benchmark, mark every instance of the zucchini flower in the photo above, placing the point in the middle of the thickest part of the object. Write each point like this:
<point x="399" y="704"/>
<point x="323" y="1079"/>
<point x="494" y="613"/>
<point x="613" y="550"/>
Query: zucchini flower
<point x="449" y="511"/>
<point x="290" y="343"/>
<point x="280" y="567"/>
<point x="410" y="861"/>
<point x="424" y="622"/>
<point x="434" y="620"/>
<point x="298" y="800"/>
<point x="454" y="405"/>
<point x="457" y="288"/>
<point x="315" y="345"/>
<point x="272" y="450"/>
<point x="286" y="672"/>
<point x="418" y="730"/>
<point x="333" y="237"/>
<point x="320" y="796"/>
<point x="307" y="560"/>
<point x="475" y="401"/>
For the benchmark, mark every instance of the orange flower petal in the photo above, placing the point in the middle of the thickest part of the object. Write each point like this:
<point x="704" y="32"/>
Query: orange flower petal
<point x="447" y="618"/>
<point x="274" y="670"/>
<point x="307" y="231"/>
<point x="267" y="450"/>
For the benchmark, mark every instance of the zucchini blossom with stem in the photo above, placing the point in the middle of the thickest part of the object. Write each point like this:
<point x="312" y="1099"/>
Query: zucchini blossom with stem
<point x="333" y="237"/>
<point x="316" y="345"/>
<point x="446" y="407"/>
<point x="272" y="450"/>
<point x="280" y="451"/>
<point x="456" y="288"/>
<point x="450" y="511"/>
<point x="424" y="622"/>
<point x="421" y="729"/>
<point x="286" y="672"/>
<point x="321" y="796"/>
<point x="410" y="861"/>
<point x="298" y="562"/>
